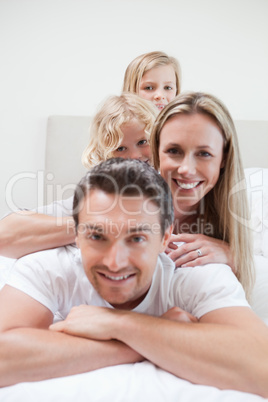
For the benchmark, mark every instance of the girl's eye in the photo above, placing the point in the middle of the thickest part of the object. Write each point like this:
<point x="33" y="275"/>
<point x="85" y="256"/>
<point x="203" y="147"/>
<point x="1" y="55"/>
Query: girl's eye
<point x="168" y="88"/>
<point x="148" y="88"/>
<point x="121" y="149"/>
<point x="142" y="142"/>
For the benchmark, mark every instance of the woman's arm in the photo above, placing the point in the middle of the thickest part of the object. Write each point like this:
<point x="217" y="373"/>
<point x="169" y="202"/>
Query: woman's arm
<point x="25" y="232"/>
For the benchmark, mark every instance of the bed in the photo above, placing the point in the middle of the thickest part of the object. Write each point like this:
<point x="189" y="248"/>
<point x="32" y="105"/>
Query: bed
<point x="66" y="138"/>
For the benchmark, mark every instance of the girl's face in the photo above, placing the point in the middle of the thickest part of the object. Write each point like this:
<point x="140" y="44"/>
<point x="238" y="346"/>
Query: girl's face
<point x="135" y="143"/>
<point x="158" y="85"/>
<point x="191" y="156"/>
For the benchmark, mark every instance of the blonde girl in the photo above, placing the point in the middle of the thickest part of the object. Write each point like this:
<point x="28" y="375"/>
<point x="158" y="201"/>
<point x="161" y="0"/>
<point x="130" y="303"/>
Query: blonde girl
<point x="122" y="128"/>
<point x="154" y="76"/>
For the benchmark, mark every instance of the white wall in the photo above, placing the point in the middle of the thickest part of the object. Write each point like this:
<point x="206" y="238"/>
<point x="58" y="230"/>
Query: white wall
<point x="65" y="56"/>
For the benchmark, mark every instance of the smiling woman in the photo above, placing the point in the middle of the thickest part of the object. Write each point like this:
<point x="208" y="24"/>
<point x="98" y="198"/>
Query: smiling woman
<point x="195" y="147"/>
<point x="191" y="154"/>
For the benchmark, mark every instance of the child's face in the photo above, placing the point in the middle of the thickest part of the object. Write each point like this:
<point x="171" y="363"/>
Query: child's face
<point x="158" y="85"/>
<point x="135" y="143"/>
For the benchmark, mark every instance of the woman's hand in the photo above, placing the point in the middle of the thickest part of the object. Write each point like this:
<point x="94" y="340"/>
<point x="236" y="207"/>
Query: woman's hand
<point x="198" y="249"/>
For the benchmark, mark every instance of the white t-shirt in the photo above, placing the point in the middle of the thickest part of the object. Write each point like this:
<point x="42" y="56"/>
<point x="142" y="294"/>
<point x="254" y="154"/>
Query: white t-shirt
<point x="56" y="279"/>
<point x="59" y="208"/>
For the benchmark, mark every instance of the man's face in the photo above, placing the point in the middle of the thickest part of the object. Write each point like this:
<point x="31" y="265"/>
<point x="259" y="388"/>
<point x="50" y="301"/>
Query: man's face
<point x="120" y="239"/>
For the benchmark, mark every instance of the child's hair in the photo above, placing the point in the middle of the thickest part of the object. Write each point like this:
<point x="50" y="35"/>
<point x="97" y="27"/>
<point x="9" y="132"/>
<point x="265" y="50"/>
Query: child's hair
<point x="141" y="64"/>
<point x="226" y="205"/>
<point x="105" y="130"/>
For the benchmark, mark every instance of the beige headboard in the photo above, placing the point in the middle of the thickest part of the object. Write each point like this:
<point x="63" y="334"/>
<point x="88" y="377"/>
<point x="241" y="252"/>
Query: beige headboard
<point x="67" y="136"/>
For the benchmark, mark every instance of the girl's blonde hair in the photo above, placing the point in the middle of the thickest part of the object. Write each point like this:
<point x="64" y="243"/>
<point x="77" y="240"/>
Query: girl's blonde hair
<point x="139" y="66"/>
<point x="225" y="206"/>
<point x="105" y="130"/>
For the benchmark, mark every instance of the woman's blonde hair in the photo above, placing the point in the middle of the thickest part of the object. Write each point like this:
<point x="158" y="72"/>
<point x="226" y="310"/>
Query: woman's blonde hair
<point x="225" y="206"/>
<point x="105" y="130"/>
<point x="141" y="64"/>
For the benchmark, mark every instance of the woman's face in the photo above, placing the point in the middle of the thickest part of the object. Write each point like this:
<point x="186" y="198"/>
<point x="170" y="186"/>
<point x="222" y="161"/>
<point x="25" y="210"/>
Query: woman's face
<point x="158" y="85"/>
<point x="191" y="156"/>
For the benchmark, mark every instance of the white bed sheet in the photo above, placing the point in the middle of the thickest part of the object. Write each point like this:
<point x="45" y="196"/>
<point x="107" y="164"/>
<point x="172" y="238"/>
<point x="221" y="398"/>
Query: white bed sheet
<point x="138" y="382"/>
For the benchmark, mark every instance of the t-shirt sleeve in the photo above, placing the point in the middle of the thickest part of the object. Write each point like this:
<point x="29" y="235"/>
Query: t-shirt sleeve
<point x="60" y="208"/>
<point x="30" y="275"/>
<point x="206" y="288"/>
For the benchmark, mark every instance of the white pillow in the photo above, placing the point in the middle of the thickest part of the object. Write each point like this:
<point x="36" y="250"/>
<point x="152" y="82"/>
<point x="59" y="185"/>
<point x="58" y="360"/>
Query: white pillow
<point x="257" y="189"/>
<point x="259" y="302"/>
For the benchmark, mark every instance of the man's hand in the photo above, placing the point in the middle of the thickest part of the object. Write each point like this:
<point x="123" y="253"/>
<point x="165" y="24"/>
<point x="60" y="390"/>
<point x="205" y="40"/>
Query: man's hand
<point x="89" y="322"/>
<point x="100" y="323"/>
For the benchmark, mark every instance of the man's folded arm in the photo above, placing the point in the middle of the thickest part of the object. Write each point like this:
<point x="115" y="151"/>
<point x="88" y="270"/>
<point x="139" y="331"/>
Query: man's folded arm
<point x="31" y="352"/>
<point x="228" y="348"/>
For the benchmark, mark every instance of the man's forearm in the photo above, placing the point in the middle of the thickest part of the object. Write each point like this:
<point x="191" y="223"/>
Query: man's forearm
<point x="208" y="354"/>
<point x="24" y="232"/>
<point x="34" y="355"/>
<point x="228" y="350"/>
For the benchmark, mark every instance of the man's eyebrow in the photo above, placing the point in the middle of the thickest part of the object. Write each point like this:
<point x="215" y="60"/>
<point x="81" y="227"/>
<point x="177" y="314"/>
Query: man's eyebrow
<point x="94" y="226"/>
<point x="141" y="228"/>
<point x="144" y="227"/>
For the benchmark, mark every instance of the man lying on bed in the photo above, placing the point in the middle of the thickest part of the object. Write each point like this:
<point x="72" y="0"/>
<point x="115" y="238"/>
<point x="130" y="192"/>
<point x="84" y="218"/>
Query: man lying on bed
<point x="123" y="212"/>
